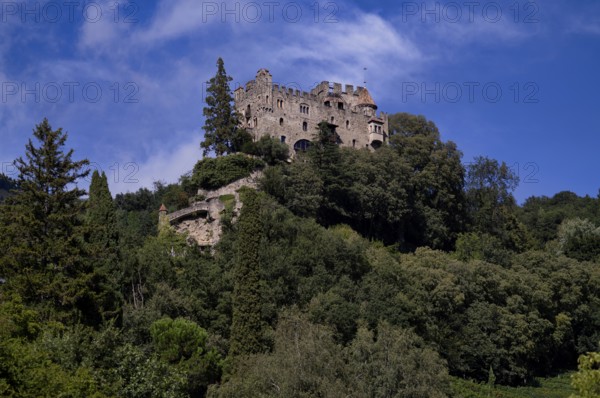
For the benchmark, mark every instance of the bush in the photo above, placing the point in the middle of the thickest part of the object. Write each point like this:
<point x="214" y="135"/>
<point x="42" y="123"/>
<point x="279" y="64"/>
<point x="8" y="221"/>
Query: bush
<point x="213" y="173"/>
<point x="269" y="149"/>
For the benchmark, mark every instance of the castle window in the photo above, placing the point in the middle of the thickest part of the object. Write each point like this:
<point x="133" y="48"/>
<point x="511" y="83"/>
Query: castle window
<point x="304" y="126"/>
<point x="281" y="121"/>
<point x="353" y="143"/>
<point x="267" y="99"/>
<point x="304" y="109"/>
<point x="347" y="124"/>
<point x="328" y="103"/>
<point x="301" y="146"/>
<point x="283" y="138"/>
<point x="255" y="122"/>
<point x="332" y="119"/>
<point x="280" y="103"/>
<point x="341" y="105"/>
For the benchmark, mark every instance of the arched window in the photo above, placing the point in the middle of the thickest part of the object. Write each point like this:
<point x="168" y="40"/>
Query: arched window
<point x="304" y="126"/>
<point x="347" y="124"/>
<point x="255" y="122"/>
<point x="281" y="121"/>
<point x="301" y="145"/>
<point x="283" y="138"/>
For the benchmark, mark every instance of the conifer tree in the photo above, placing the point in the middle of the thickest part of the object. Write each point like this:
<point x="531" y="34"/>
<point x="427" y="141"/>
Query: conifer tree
<point x="324" y="154"/>
<point x="221" y="132"/>
<point x="102" y="248"/>
<point x="247" y="326"/>
<point x="41" y="251"/>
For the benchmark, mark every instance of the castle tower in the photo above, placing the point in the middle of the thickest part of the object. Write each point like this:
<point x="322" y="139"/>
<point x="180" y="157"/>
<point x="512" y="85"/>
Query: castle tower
<point x="163" y="219"/>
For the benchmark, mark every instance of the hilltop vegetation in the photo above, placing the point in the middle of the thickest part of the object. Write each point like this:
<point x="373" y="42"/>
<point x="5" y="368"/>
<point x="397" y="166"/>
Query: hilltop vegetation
<point x="397" y="272"/>
<point x="353" y="273"/>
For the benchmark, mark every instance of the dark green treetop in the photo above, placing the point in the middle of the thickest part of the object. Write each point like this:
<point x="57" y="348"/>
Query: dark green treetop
<point x="221" y="131"/>
<point x="41" y="249"/>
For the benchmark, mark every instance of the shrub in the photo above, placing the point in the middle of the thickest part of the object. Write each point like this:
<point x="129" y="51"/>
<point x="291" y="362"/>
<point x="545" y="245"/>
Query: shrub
<point x="213" y="173"/>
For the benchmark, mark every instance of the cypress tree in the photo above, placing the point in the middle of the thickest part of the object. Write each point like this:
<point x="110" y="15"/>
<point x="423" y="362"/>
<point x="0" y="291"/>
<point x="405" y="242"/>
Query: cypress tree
<point x="247" y="326"/>
<point x="324" y="154"/>
<point x="41" y="251"/>
<point x="102" y="250"/>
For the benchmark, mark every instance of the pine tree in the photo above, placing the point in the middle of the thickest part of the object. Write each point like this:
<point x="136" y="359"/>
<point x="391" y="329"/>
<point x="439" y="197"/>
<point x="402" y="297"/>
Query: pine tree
<point x="247" y="326"/>
<point x="221" y="131"/>
<point x="41" y="251"/>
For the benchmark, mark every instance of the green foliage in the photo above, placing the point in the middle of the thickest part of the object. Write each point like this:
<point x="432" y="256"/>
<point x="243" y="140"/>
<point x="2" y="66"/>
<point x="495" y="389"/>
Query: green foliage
<point x="587" y="380"/>
<point x="543" y="215"/>
<point x="221" y="132"/>
<point x="102" y="250"/>
<point x="41" y="253"/>
<point x="247" y="327"/>
<point x="323" y="287"/>
<point x="481" y="246"/>
<point x="492" y="208"/>
<point x="213" y="173"/>
<point x="395" y="364"/>
<point x="409" y="194"/>
<point x="6" y="185"/>
<point x="435" y="196"/>
<point x="184" y="343"/>
<point x="269" y="149"/>
<point x="579" y="239"/>
<point x="144" y="375"/>
<point x="556" y="387"/>
<point x="306" y="362"/>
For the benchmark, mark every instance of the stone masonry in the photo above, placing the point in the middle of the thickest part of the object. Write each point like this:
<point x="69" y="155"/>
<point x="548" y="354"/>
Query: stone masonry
<point x="292" y="116"/>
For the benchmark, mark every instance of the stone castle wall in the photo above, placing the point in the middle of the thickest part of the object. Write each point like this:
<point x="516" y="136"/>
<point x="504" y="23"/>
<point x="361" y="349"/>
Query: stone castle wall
<point x="292" y="116"/>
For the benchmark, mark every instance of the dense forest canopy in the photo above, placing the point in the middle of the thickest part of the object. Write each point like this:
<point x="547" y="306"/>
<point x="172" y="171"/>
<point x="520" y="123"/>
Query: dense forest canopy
<point x="396" y="272"/>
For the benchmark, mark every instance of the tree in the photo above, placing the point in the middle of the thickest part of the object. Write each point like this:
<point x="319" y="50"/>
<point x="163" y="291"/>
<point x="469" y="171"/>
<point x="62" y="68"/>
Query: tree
<point x="587" y="379"/>
<point x="306" y="362"/>
<point x="183" y="344"/>
<point x="6" y="185"/>
<point x="324" y="154"/>
<point x="579" y="239"/>
<point x="435" y="184"/>
<point x="489" y="186"/>
<point x="102" y="249"/>
<point x="41" y="245"/>
<point x="221" y="127"/>
<point x="395" y="364"/>
<point x="247" y="326"/>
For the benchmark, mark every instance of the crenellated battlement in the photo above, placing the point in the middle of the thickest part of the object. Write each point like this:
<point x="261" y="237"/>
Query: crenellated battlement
<point x="291" y="114"/>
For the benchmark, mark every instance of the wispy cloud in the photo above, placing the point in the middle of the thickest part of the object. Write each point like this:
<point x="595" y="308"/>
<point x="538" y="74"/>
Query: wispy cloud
<point x="164" y="164"/>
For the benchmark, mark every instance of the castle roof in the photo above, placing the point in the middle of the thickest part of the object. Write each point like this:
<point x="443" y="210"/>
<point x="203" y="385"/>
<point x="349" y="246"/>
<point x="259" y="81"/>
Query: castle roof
<point x="364" y="98"/>
<point x="162" y="208"/>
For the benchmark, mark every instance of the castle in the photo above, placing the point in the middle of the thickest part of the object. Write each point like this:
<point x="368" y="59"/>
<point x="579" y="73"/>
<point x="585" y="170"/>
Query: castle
<point x="292" y="116"/>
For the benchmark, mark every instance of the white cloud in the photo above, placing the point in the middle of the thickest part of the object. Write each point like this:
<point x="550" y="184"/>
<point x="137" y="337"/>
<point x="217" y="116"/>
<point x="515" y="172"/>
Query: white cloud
<point x="164" y="164"/>
<point x="174" y="19"/>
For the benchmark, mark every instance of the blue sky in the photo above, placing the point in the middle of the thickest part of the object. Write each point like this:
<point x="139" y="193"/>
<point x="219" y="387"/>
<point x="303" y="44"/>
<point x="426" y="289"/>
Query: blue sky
<point x="512" y="80"/>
